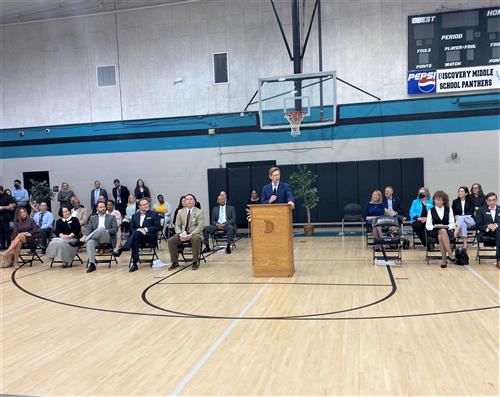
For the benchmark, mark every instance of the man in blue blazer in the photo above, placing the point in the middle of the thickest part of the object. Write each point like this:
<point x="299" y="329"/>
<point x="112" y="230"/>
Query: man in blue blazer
<point x="277" y="191"/>
<point x="391" y="202"/>
<point x="143" y="227"/>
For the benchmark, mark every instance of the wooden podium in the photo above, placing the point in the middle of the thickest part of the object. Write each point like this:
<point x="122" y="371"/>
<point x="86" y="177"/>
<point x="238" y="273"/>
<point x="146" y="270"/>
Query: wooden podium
<point x="272" y="243"/>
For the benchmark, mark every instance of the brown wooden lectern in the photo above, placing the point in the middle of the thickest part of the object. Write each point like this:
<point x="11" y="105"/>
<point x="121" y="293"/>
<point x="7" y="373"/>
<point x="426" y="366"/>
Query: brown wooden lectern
<point x="272" y="243"/>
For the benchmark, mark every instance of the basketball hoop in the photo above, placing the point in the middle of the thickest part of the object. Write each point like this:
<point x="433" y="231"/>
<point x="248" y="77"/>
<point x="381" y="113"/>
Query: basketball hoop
<point x="295" y="117"/>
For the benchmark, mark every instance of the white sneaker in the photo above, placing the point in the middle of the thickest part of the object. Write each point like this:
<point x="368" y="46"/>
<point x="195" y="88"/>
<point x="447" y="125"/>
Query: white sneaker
<point x="157" y="264"/>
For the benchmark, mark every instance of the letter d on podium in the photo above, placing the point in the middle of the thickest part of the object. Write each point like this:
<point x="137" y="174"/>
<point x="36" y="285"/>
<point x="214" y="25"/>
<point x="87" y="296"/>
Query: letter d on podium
<point x="272" y="242"/>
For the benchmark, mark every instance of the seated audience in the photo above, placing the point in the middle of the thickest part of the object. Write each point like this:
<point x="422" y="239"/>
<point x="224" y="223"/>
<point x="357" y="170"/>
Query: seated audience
<point x="25" y="231"/>
<point x="101" y="199"/>
<point x="45" y="222"/>
<point x="7" y="211"/>
<point x="463" y="209"/>
<point x="101" y="229"/>
<point x="165" y="210"/>
<point x="373" y="209"/>
<point x="223" y="218"/>
<point x="143" y="227"/>
<point x="67" y="230"/>
<point x="488" y="221"/>
<point x="392" y="204"/>
<point x="477" y="196"/>
<point x="188" y="227"/>
<point x="110" y="209"/>
<point x="129" y="211"/>
<point x="77" y="211"/>
<point x="182" y="204"/>
<point x="64" y="196"/>
<point x="418" y="213"/>
<point x="440" y="224"/>
<point x="254" y="199"/>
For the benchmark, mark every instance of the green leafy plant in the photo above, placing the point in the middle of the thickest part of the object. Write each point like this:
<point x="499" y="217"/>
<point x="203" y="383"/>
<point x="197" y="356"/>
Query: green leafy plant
<point x="41" y="191"/>
<point x="303" y="183"/>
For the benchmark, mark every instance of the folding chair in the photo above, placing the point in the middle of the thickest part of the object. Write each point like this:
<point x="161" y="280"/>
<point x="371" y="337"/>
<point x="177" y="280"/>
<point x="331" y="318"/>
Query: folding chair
<point x="435" y="253"/>
<point x="486" y="246"/>
<point x="388" y="245"/>
<point x="76" y="258"/>
<point x="101" y="256"/>
<point x="219" y="240"/>
<point x="147" y="252"/>
<point x="29" y="252"/>
<point x="353" y="213"/>
<point x="182" y="251"/>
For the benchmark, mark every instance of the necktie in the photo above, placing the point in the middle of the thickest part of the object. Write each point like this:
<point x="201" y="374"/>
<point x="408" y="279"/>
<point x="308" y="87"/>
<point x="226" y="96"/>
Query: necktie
<point x="118" y="197"/>
<point x="188" y="221"/>
<point x="275" y="191"/>
<point x="41" y="219"/>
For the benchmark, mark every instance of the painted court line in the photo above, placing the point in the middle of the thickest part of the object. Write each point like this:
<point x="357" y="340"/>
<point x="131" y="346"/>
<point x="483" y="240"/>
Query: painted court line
<point x="213" y="348"/>
<point x="90" y="280"/>
<point x="485" y="282"/>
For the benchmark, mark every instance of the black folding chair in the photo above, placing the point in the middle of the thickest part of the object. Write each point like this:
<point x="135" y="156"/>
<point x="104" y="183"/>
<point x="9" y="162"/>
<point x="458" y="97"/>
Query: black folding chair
<point x="187" y="245"/>
<point x="486" y="246"/>
<point x="147" y="252"/>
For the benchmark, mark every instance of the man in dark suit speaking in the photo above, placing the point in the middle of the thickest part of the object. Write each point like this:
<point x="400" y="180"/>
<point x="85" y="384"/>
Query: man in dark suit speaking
<point x="143" y="227"/>
<point x="277" y="191"/>
<point x="223" y="218"/>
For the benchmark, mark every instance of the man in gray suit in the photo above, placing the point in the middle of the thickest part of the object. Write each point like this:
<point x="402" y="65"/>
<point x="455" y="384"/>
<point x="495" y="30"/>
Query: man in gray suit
<point x="95" y="193"/>
<point x="223" y="218"/>
<point x="101" y="229"/>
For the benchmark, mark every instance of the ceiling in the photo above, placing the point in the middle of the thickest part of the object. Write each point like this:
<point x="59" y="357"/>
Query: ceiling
<point x="15" y="11"/>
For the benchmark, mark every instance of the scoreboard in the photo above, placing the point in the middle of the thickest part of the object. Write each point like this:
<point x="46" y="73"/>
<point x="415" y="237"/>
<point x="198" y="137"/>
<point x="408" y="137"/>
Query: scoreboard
<point x="454" y="51"/>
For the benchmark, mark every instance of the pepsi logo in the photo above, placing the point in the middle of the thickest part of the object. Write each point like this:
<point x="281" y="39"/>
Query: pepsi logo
<point x="427" y="84"/>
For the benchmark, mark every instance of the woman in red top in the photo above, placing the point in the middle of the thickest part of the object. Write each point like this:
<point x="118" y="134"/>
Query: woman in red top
<point x="25" y="230"/>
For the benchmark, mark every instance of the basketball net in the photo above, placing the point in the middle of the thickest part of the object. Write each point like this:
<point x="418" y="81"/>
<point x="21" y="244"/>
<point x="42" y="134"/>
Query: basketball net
<point x="295" y="117"/>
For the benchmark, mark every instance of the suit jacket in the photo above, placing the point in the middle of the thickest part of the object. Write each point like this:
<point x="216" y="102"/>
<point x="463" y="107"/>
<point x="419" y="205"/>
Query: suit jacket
<point x="483" y="218"/>
<point x="124" y="193"/>
<point x="284" y="193"/>
<point x="197" y="221"/>
<point x="151" y="222"/>
<point x="102" y="192"/>
<point x="82" y="216"/>
<point x="109" y="223"/>
<point x="396" y="205"/>
<point x="230" y="215"/>
<point x="456" y="206"/>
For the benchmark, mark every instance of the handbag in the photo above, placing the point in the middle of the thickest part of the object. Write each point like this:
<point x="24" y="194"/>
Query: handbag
<point x="461" y="256"/>
<point x="406" y="243"/>
<point x="5" y="260"/>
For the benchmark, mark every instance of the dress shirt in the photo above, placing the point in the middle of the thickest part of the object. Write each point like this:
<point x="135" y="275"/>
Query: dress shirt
<point x="102" y="221"/>
<point x="143" y="216"/>
<point x="275" y="188"/>
<point x="222" y="215"/>
<point x="389" y="204"/>
<point x="440" y="212"/>
<point x="47" y="221"/>
<point x="97" y="193"/>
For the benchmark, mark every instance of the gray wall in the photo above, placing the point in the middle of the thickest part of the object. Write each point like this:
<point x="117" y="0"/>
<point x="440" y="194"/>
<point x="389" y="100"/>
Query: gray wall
<point x="48" y="68"/>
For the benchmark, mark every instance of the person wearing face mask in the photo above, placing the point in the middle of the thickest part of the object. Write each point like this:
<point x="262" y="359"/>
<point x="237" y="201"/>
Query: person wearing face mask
<point x="418" y="213"/>
<point x="20" y="194"/>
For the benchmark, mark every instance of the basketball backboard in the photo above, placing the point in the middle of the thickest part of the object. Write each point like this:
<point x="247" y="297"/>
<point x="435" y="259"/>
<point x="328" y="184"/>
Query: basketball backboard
<point x="314" y="94"/>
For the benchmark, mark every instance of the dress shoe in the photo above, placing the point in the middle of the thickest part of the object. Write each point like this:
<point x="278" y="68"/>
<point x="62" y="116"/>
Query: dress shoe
<point x="228" y="249"/>
<point x="133" y="268"/>
<point x="195" y="266"/>
<point x="118" y="252"/>
<point x="173" y="266"/>
<point x="76" y="243"/>
<point x="444" y="265"/>
<point x="90" y="267"/>
<point x="206" y="250"/>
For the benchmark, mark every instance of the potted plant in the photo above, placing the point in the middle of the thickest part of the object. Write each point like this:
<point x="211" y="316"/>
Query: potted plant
<point x="303" y="183"/>
<point x="40" y="191"/>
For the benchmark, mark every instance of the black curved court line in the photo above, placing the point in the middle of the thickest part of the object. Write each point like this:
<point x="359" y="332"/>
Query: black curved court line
<point x="314" y="315"/>
<point x="97" y="309"/>
<point x="26" y="275"/>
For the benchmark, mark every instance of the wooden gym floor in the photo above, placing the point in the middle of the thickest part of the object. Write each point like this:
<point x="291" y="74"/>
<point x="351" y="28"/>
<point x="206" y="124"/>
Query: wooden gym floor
<point x="340" y="326"/>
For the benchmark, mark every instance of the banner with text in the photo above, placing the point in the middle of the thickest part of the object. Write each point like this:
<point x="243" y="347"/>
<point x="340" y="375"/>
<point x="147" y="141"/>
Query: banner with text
<point x="468" y="79"/>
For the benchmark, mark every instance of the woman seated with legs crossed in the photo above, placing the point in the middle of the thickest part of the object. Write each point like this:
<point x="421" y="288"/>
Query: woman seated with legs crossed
<point x="67" y="230"/>
<point x="372" y="210"/>
<point x="463" y="208"/>
<point x="440" y="223"/>
<point x="25" y="231"/>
